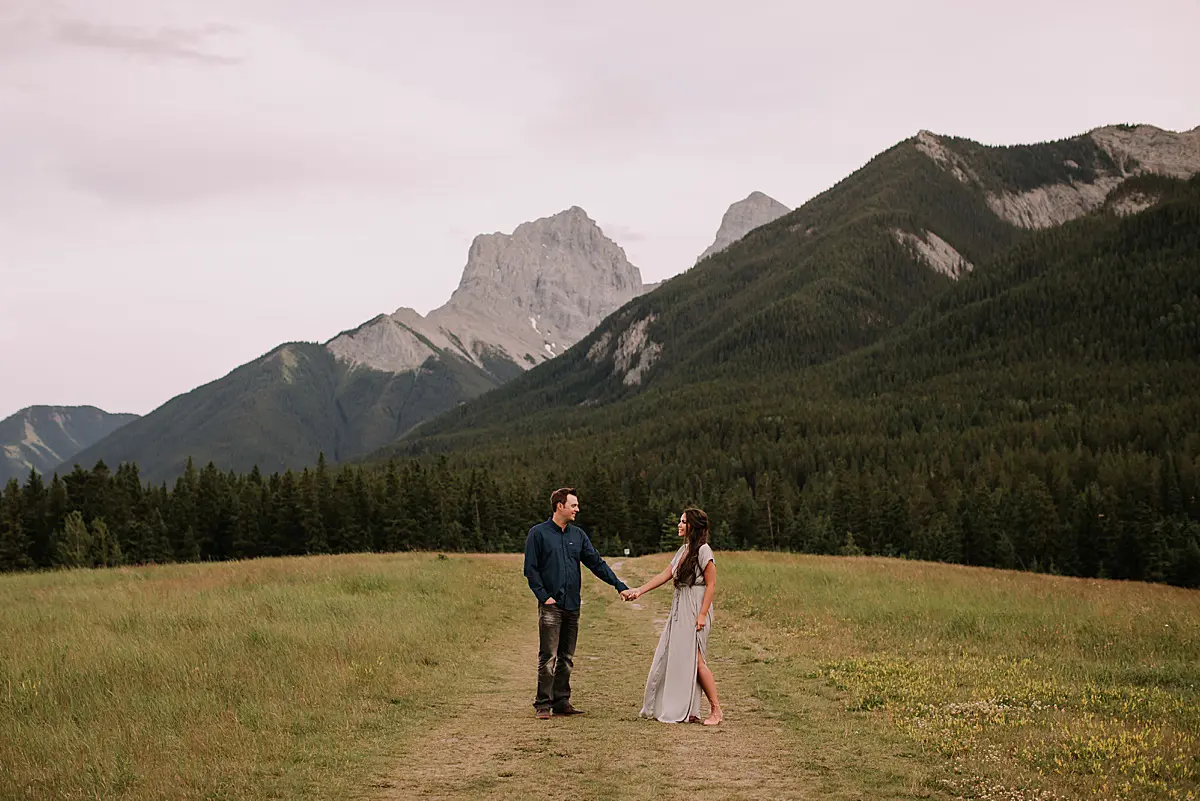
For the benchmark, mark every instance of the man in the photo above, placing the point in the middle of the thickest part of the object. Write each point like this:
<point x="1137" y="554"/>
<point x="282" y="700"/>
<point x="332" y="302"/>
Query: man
<point x="553" y="551"/>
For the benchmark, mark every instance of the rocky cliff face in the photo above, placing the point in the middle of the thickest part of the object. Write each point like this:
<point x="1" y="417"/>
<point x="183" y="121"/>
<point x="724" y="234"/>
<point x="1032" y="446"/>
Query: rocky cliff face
<point x="1132" y="150"/>
<point x="523" y="298"/>
<point x="538" y="291"/>
<point x="743" y="217"/>
<point x="1146" y="149"/>
<point x="935" y="252"/>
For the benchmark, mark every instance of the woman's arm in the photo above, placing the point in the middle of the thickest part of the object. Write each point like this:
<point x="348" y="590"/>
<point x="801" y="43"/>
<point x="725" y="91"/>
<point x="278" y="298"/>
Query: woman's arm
<point x="659" y="580"/>
<point x="710" y="587"/>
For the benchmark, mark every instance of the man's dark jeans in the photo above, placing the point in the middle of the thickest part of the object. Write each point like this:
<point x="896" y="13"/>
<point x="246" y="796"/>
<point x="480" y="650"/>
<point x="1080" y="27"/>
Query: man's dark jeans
<point x="559" y="629"/>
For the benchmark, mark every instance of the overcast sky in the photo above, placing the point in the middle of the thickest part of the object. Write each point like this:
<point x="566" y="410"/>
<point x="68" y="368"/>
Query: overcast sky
<point x="185" y="184"/>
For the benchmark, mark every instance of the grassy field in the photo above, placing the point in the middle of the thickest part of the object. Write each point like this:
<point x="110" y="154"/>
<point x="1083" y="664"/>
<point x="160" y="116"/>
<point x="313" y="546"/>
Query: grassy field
<point x="1027" y="685"/>
<point x="266" y="679"/>
<point x="400" y="676"/>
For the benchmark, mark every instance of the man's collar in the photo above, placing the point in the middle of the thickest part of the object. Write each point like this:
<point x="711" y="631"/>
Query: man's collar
<point x="561" y="529"/>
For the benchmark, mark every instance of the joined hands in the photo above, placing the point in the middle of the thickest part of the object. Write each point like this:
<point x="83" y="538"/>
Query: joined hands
<point x="630" y="595"/>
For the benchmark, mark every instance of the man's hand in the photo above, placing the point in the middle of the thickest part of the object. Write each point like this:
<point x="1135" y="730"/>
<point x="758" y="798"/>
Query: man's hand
<point x="701" y="619"/>
<point x="550" y="602"/>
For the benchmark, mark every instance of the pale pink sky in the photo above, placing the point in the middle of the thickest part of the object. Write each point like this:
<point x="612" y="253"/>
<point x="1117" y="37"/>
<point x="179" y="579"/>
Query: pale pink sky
<point x="185" y="184"/>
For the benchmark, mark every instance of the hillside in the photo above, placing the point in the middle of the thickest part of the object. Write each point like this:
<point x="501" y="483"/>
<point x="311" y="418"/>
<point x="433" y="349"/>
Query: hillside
<point x="41" y="437"/>
<point x="842" y="271"/>
<point x="279" y="410"/>
<point x="835" y="276"/>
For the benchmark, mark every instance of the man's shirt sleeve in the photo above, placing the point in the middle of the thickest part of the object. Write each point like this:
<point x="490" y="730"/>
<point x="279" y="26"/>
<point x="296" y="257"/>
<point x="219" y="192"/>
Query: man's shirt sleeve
<point x="595" y="563"/>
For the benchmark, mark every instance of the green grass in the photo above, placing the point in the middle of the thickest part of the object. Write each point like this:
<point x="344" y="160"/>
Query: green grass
<point x="267" y="679"/>
<point x="1073" y="687"/>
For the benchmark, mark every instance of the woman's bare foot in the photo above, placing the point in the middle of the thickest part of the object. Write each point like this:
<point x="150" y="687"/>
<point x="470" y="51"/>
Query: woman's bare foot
<point x="715" y="718"/>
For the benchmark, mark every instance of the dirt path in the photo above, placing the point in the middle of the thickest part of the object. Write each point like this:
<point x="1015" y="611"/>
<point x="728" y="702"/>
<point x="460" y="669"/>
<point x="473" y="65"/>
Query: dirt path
<point x="491" y="746"/>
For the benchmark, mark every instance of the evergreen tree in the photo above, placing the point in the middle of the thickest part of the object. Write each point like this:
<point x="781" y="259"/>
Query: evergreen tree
<point x="15" y="544"/>
<point x="313" y="526"/>
<point x="1185" y="570"/>
<point x="58" y="506"/>
<point x="214" y="515"/>
<point x="669" y="540"/>
<point x="287" y="530"/>
<point x="850" y="547"/>
<point x="248" y="512"/>
<point x="979" y="527"/>
<point x="181" y="517"/>
<point x="395" y="526"/>
<point x="104" y="550"/>
<point x="326" y="509"/>
<point x="187" y="549"/>
<point x="74" y="543"/>
<point x="35" y="519"/>
<point x="157" y="548"/>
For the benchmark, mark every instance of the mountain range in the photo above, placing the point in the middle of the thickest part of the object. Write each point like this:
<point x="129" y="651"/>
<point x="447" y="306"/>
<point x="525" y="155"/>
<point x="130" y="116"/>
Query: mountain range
<point x="778" y="291"/>
<point x="523" y="299"/>
<point x="833" y="277"/>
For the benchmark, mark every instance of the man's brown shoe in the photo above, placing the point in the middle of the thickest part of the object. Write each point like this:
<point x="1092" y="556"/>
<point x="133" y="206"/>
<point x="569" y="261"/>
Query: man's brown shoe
<point x="543" y="714"/>
<point x="568" y="710"/>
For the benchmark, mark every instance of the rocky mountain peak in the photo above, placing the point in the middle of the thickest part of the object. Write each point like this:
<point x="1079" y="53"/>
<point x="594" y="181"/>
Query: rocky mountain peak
<point x="552" y="279"/>
<point x="742" y="217"/>
<point x="525" y="296"/>
<point x="552" y="253"/>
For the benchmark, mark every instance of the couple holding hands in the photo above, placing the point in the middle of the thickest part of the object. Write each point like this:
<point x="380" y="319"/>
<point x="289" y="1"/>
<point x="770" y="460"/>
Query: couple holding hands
<point x="554" y="550"/>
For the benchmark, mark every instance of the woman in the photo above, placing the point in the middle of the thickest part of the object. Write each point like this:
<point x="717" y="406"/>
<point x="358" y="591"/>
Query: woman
<point x="678" y="671"/>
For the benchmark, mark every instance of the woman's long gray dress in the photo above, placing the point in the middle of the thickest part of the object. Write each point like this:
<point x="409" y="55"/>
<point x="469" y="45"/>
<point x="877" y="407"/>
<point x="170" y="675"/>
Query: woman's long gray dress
<point x="672" y="687"/>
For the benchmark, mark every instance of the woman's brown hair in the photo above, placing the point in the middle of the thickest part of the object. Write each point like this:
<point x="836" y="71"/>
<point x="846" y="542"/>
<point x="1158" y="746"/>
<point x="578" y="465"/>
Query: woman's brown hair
<point x="697" y="534"/>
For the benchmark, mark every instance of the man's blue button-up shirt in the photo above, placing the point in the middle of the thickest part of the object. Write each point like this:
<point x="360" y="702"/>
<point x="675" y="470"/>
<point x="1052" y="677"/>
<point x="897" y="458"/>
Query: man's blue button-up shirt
<point x="552" y="557"/>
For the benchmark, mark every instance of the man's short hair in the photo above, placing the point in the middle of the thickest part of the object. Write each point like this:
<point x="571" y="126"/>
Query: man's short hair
<point x="560" y="496"/>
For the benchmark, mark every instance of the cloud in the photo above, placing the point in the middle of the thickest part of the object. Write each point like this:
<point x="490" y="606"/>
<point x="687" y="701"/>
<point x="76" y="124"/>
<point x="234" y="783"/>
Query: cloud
<point x="164" y="43"/>
<point x="174" y="170"/>
<point x="128" y="110"/>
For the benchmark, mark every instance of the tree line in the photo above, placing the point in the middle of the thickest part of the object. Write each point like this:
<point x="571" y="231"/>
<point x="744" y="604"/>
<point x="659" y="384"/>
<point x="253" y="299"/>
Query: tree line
<point x="1116" y="513"/>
